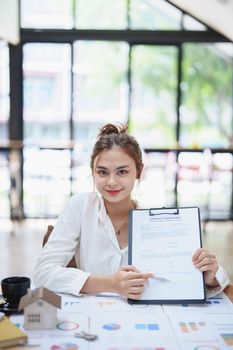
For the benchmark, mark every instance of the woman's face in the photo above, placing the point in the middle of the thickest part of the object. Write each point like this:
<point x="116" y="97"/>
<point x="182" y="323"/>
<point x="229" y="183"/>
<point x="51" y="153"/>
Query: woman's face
<point x="114" y="174"/>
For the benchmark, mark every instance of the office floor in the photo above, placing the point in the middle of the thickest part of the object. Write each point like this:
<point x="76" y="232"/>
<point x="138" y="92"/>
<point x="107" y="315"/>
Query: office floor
<point x="20" y="245"/>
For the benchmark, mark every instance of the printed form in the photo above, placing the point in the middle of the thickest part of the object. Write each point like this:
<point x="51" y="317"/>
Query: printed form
<point x="163" y="241"/>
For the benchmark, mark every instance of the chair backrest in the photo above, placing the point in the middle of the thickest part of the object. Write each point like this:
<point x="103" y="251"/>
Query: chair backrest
<point x="48" y="233"/>
<point x="50" y="228"/>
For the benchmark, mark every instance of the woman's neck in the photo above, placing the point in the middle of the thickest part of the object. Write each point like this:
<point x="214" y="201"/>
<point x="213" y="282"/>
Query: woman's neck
<point x="119" y="209"/>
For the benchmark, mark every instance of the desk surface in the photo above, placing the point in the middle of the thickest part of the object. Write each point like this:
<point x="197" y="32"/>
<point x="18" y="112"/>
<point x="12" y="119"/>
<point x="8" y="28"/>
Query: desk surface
<point x="121" y="326"/>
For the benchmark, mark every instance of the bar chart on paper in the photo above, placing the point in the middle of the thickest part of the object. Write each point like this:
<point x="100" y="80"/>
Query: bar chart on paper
<point x="111" y="326"/>
<point x="187" y="327"/>
<point x="228" y="338"/>
<point x="137" y="331"/>
<point x="147" y="326"/>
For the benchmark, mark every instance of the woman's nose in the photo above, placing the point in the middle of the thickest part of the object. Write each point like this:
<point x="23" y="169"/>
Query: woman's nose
<point x="112" y="180"/>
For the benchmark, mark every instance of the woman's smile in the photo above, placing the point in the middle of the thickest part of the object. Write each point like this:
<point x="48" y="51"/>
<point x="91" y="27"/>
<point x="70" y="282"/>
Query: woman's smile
<point x="113" y="192"/>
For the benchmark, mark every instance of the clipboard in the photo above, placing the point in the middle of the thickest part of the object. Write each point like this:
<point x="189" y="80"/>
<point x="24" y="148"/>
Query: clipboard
<point x="163" y="241"/>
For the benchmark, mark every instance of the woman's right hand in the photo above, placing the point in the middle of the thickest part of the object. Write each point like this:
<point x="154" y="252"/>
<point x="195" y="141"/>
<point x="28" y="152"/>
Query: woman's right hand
<point x="129" y="282"/>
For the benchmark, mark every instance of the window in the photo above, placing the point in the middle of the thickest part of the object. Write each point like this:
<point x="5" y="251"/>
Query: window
<point x="46" y="14"/>
<point x="47" y="92"/>
<point x="206" y="111"/>
<point x="154" y="15"/>
<point x="100" y="87"/>
<point x="46" y="181"/>
<point x="4" y="91"/>
<point x="99" y="14"/>
<point x="5" y="185"/>
<point x="153" y="103"/>
<point x="34" y="318"/>
<point x="86" y="63"/>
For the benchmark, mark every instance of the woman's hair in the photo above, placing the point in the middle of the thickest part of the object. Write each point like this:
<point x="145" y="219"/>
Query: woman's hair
<point x="111" y="135"/>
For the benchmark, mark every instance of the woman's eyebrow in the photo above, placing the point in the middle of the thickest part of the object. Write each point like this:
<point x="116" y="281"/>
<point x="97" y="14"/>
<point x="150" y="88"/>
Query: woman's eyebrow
<point x="122" y="167"/>
<point x="118" y="168"/>
<point x="101" y="167"/>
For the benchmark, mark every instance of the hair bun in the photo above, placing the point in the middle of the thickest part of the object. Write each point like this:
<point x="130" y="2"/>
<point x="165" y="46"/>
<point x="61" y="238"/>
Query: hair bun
<point x="108" y="129"/>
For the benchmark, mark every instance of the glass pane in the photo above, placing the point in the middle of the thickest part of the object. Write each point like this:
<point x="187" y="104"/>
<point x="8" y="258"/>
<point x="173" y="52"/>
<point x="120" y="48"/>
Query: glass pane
<point x="156" y="188"/>
<point x="99" y="14"/>
<point x="205" y="180"/>
<point x="81" y="171"/>
<point x="47" y="91"/>
<point x="206" y="111"/>
<point x="4" y="91"/>
<point x="46" y="181"/>
<point x="190" y="23"/>
<point x="101" y="89"/>
<point x="193" y="179"/>
<point x="5" y="186"/>
<point x="220" y="186"/>
<point x="154" y="15"/>
<point x="153" y="105"/>
<point x="46" y="14"/>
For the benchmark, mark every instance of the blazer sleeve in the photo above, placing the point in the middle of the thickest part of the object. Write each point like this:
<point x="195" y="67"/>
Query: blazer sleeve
<point x="50" y="270"/>
<point x="223" y="281"/>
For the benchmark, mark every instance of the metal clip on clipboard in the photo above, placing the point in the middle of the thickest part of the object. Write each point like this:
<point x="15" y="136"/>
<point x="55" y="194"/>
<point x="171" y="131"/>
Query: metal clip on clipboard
<point x="163" y="211"/>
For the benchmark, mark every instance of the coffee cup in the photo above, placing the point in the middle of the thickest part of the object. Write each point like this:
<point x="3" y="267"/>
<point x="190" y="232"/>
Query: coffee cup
<point x="13" y="288"/>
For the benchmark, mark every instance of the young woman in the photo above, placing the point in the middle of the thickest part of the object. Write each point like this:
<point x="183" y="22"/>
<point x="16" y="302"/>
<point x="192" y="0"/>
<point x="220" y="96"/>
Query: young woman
<point x="94" y="227"/>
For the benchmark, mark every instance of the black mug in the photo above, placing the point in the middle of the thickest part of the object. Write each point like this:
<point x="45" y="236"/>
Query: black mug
<point x="13" y="288"/>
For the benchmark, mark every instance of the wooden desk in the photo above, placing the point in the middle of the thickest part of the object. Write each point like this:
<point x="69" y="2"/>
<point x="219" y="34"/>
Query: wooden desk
<point x="229" y="292"/>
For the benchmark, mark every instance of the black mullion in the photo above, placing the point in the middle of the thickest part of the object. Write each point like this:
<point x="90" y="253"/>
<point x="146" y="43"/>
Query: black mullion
<point x="129" y="79"/>
<point x="16" y="122"/>
<point x="16" y="93"/>
<point x="178" y="103"/>
<point x="71" y="120"/>
<point x="179" y="92"/>
<point x="162" y="37"/>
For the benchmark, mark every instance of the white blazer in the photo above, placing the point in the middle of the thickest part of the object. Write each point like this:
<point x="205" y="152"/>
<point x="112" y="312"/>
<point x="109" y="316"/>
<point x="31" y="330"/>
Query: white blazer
<point x="85" y="230"/>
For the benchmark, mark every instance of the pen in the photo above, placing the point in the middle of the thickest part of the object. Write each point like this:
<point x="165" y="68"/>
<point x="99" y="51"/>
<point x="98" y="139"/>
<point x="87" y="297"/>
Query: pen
<point x="160" y="278"/>
<point x="102" y="295"/>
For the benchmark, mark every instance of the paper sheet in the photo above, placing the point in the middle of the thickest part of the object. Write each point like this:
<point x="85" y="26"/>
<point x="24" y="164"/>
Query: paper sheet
<point x="163" y="243"/>
<point x="121" y="326"/>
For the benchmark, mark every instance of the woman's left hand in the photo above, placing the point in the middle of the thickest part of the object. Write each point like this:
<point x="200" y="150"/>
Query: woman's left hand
<point x="206" y="262"/>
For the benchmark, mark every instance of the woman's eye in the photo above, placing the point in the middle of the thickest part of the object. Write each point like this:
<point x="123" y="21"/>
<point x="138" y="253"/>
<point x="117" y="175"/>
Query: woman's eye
<point x="102" y="172"/>
<point x="123" y="172"/>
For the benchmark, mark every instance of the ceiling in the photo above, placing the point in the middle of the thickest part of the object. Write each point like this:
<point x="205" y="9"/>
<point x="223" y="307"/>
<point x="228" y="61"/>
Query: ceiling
<point x="217" y="14"/>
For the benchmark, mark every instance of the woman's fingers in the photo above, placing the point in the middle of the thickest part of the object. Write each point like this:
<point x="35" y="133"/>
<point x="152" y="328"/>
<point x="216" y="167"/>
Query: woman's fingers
<point x="129" y="268"/>
<point x="142" y="275"/>
<point x="202" y="257"/>
<point x="200" y="253"/>
<point x="136" y="290"/>
<point x="134" y="296"/>
<point x="138" y="282"/>
<point x="208" y="260"/>
<point x="135" y="273"/>
<point x="130" y="282"/>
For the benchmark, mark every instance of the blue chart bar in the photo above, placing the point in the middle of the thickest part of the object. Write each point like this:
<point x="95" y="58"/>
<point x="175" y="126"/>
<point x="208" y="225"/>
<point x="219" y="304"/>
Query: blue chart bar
<point x="147" y="326"/>
<point x="111" y="326"/>
<point x="140" y="326"/>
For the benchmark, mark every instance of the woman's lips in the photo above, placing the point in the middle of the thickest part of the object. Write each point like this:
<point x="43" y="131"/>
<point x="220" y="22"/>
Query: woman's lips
<point x="113" y="193"/>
